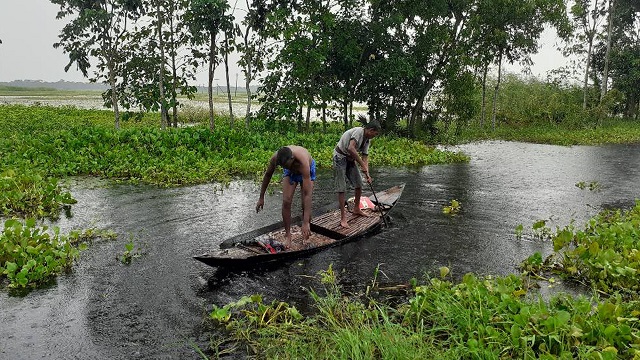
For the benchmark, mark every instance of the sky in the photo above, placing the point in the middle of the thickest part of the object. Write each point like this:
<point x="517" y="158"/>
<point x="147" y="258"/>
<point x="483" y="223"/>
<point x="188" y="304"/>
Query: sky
<point x="29" y="28"/>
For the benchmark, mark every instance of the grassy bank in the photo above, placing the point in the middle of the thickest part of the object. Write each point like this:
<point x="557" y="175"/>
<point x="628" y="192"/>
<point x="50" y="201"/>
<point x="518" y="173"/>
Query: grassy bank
<point x="609" y="131"/>
<point x="475" y="318"/>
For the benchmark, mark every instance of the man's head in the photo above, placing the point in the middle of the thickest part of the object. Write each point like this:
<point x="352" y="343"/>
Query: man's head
<point x="284" y="157"/>
<point x="372" y="129"/>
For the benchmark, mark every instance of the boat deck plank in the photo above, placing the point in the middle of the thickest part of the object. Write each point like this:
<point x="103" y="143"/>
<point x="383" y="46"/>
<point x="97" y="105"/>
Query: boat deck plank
<point x="297" y="241"/>
<point x="357" y="224"/>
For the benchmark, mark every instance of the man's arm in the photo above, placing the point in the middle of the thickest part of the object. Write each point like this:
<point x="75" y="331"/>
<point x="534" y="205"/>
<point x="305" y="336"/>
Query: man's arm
<point x="353" y="153"/>
<point x="266" y="179"/>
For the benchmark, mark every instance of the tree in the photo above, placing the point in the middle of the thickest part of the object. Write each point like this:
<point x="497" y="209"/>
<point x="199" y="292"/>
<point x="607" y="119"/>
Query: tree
<point x="624" y="55"/>
<point x="510" y="31"/>
<point x="405" y="59"/>
<point x="586" y="16"/>
<point x="173" y="38"/>
<point x="98" y="31"/>
<point x="251" y="53"/>
<point x="605" y="77"/>
<point x="206" y="18"/>
<point x="229" y="41"/>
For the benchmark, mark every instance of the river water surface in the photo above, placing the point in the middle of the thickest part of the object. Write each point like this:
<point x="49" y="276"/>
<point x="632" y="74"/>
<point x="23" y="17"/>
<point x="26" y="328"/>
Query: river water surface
<point x="154" y="307"/>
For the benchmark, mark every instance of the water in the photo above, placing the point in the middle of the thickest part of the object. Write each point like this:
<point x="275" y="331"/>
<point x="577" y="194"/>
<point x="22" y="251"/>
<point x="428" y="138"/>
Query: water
<point x="154" y="307"/>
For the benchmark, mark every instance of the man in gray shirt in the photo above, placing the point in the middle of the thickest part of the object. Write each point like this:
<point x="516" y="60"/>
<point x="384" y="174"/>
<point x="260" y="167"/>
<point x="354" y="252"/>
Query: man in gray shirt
<point x="352" y="148"/>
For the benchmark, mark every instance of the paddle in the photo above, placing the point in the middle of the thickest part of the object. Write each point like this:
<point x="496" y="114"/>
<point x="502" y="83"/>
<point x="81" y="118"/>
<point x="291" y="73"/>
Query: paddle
<point x="379" y="205"/>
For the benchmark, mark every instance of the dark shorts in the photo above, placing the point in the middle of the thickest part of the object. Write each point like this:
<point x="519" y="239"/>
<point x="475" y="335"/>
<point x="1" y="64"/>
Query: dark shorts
<point x="345" y="171"/>
<point x="297" y="178"/>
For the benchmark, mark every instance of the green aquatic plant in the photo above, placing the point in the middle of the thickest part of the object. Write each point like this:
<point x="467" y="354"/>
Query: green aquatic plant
<point x="33" y="255"/>
<point x="130" y="252"/>
<point x="592" y="186"/>
<point x="518" y="231"/>
<point x="604" y="254"/>
<point x="479" y="317"/>
<point x="28" y="194"/>
<point x="540" y="230"/>
<point x="452" y="209"/>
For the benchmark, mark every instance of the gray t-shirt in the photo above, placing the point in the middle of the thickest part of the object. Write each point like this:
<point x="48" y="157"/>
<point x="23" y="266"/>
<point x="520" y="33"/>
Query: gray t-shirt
<point x="357" y="134"/>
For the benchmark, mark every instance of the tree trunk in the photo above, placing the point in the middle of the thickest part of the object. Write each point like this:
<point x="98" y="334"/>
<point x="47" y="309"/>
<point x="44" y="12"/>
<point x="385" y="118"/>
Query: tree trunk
<point x="308" y="119"/>
<point x="212" y="68"/>
<point x="226" y="72"/>
<point x="413" y="119"/>
<point x="585" y="85"/>
<point x="483" y="112"/>
<point x="605" y="76"/>
<point x="114" y="93"/>
<point x="163" y="102"/>
<point x="324" y="116"/>
<point x="345" y="111"/>
<point x="495" y="93"/>
<point x="174" y="72"/>
<point x="247" y="82"/>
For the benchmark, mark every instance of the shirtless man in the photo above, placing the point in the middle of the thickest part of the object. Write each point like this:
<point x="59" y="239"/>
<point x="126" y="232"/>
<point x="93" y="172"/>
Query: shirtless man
<point x="298" y="168"/>
<point x="352" y="148"/>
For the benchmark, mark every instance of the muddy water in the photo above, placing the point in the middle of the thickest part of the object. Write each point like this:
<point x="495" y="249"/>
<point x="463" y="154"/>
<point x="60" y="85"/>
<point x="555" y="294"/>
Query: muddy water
<point x="153" y="308"/>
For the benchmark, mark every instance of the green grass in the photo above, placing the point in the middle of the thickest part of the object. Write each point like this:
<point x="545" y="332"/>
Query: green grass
<point x="477" y="318"/>
<point x="611" y="131"/>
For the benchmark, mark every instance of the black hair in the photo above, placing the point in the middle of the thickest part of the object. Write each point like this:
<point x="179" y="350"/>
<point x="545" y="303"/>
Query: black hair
<point x="373" y="124"/>
<point x="283" y="155"/>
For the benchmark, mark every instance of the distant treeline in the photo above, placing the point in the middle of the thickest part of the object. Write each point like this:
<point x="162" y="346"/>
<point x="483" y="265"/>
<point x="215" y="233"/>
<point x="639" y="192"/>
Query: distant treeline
<point x="74" y="85"/>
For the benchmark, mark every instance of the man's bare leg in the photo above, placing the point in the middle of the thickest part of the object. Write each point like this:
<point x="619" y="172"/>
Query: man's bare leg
<point x="303" y="209"/>
<point x="343" y="211"/>
<point x="287" y="199"/>
<point x="356" y="207"/>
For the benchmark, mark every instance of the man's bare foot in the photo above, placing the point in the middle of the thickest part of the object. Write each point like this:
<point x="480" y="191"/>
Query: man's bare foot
<point x="344" y="223"/>
<point x="360" y="213"/>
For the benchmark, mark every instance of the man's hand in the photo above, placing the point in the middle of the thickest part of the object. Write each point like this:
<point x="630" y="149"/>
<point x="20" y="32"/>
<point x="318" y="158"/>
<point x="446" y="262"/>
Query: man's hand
<point x="259" y="205"/>
<point x="366" y="174"/>
<point x="369" y="178"/>
<point x="306" y="231"/>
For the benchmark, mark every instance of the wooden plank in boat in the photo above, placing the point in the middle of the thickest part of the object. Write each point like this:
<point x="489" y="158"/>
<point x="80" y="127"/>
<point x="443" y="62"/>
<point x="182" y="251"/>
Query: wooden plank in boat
<point x="357" y="224"/>
<point x="297" y="241"/>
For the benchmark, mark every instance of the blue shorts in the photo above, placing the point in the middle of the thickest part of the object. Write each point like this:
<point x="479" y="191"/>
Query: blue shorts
<point x="297" y="178"/>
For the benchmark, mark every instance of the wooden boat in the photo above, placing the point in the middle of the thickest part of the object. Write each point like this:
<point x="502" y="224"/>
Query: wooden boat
<point x="265" y="245"/>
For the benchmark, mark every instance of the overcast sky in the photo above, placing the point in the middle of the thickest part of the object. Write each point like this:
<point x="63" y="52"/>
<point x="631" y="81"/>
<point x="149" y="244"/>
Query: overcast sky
<point x="28" y="29"/>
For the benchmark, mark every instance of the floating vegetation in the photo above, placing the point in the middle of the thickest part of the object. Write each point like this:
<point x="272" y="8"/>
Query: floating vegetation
<point x="32" y="255"/>
<point x="452" y="209"/>
<point x="591" y="186"/>
<point x="130" y="252"/>
<point x="603" y="255"/>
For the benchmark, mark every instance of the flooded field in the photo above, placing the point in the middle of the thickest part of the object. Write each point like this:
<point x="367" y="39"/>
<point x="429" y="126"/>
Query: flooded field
<point x="96" y="102"/>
